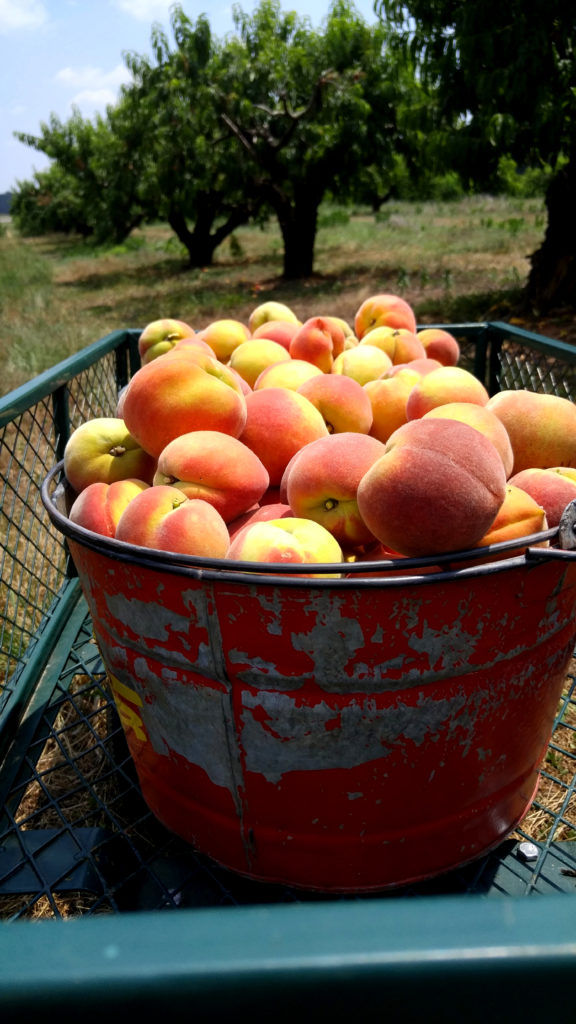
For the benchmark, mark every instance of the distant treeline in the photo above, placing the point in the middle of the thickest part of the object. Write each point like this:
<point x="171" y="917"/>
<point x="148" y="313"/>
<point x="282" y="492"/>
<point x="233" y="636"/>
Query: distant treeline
<point x="5" y="200"/>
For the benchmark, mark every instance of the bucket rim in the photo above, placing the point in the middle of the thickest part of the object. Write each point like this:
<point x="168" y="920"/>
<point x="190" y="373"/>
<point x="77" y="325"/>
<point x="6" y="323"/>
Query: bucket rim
<point x="55" y="486"/>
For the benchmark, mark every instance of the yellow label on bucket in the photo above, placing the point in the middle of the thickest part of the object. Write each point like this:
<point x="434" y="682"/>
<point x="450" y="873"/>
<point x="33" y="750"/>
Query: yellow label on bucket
<point x="125" y="699"/>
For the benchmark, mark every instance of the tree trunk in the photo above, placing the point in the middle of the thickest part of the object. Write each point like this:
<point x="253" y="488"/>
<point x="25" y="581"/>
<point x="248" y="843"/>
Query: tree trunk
<point x="298" y="220"/>
<point x="552" y="279"/>
<point x="201" y="243"/>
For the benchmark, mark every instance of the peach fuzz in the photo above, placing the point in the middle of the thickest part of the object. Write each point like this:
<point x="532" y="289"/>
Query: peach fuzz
<point x="553" y="488"/>
<point x="542" y="428"/>
<point x="342" y="401"/>
<point x="383" y="310"/>
<point x="286" y="541"/>
<point x="401" y="345"/>
<point x="255" y="355"/>
<point x="280" y="331"/>
<point x="215" y="467"/>
<point x="322" y="482"/>
<point x="480" y="417"/>
<point x="164" y="518"/>
<point x="260" y="514"/>
<point x="169" y="397"/>
<point x="159" y="336"/>
<point x="99" y="506"/>
<point x="103" y="450"/>
<point x="440" y="345"/>
<point x="448" y="384"/>
<point x="362" y="363"/>
<point x="388" y="397"/>
<point x="437" y="488"/>
<point x="290" y="375"/>
<point x="223" y="336"/>
<point x="319" y="342"/>
<point x="279" y="422"/>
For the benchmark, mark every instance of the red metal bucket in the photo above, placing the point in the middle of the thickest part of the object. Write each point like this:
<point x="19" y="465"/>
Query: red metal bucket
<point x="333" y="734"/>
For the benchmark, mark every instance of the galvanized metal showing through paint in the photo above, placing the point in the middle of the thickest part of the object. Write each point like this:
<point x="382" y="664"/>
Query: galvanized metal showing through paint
<point x="334" y="734"/>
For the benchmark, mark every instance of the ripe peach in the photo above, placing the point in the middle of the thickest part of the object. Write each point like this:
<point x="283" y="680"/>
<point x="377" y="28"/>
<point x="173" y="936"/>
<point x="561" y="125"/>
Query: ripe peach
<point x="480" y="417"/>
<point x="388" y="397"/>
<point x="419" y="367"/>
<point x="103" y="449"/>
<point x="254" y="355"/>
<point x="448" y="384"/>
<point x="216" y="467"/>
<point x="518" y="516"/>
<point x="189" y="347"/>
<point x="169" y="397"/>
<point x="223" y="336"/>
<point x="437" y="488"/>
<point x="362" y="363"/>
<point x="440" y="345"/>
<point x="280" y="331"/>
<point x="164" y="518"/>
<point x="266" y="311"/>
<point x="553" y="488"/>
<point x="160" y="336"/>
<point x="542" y="428"/>
<point x="279" y="422"/>
<point x="400" y="344"/>
<point x="99" y="506"/>
<point x="323" y="480"/>
<point x="342" y="401"/>
<point x="290" y="375"/>
<point x="319" y="342"/>
<point x="260" y="514"/>
<point x="286" y="541"/>
<point x="383" y="310"/>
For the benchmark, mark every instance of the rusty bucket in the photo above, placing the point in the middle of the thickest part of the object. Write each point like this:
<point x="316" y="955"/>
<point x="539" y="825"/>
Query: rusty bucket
<point x="340" y="735"/>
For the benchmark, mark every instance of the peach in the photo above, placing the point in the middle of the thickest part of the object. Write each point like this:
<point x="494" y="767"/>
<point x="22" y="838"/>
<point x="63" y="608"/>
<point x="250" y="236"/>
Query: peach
<point x="388" y="397"/>
<point x="448" y="384"/>
<point x="342" y="401"/>
<point x="286" y="541"/>
<point x="322" y="482"/>
<point x="289" y="375"/>
<point x="164" y="518"/>
<point x="160" y="336"/>
<point x="319" y="342"/>
<point x="260" y="514"/>
<point x="279" y="422"/>
<point x="383" y="310"/>
<point x="437" y="488"/>
<point x="169" y="397"/>
<point x="518" y="516"/>
<point x="216" y="467"/>
<point x="280" y="331"/>
<point x="191" y="345"/>
<point x="99" y="506"/>
<point x="480" y="417"/>
<point x="103" y="450"/>
<point x="223" y="336"/>
<point x="254" y="355"/>
<point x="271" y="310"/>
<point x="419" y="367"/>
<point x="362" y="363"/>
<point x="542" y="428"/>
<point x="553" y="488"/>
<point x="440" y="345"/>
<point x="401" y="345"/>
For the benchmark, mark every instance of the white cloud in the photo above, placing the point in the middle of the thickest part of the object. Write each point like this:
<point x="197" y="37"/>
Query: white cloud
<point x="92" y="78"/>
<point x="17" y="14"/>
<point x="96" y="99"/>
<point x="145" y="10"/>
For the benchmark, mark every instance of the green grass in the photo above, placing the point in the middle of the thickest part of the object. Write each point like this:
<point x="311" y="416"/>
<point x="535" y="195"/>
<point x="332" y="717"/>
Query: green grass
<point x="452" y="260"/>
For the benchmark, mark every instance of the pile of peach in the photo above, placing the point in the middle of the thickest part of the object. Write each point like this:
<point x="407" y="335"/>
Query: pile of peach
<point x="281" y="441"/>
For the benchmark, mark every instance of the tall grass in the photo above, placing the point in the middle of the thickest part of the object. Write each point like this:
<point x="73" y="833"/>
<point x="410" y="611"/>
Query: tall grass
<point x="452" y="260"/>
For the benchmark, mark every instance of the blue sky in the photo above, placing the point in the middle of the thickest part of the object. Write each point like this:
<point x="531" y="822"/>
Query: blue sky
<point x="59" y="53"/>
